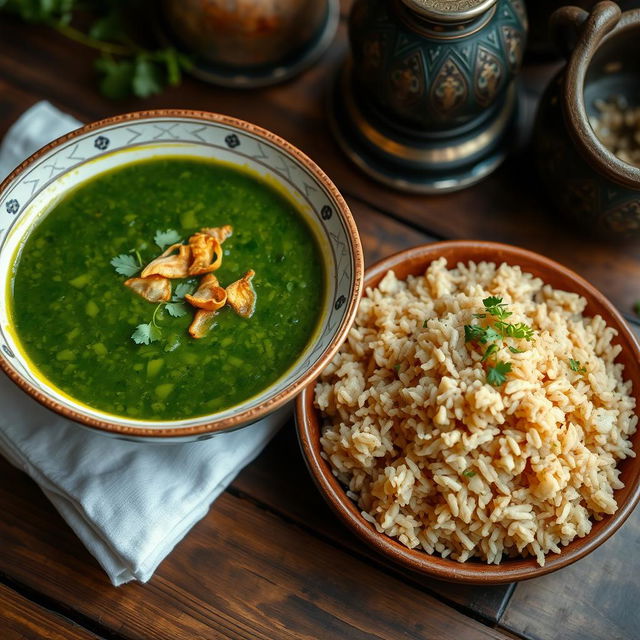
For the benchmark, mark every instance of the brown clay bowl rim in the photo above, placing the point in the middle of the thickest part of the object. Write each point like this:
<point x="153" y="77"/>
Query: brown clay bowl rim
<point x="510" y="570"/>
<point x="241" y="417"/>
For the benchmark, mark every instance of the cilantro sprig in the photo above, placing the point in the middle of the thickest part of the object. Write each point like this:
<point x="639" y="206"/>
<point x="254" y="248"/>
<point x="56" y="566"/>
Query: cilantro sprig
<point x="575" y="365"/>
<point x="497" y="374"/>
<point x="126" y="265"/>
<point x="494" y="307"/>
<point x="125" y="65"/>
<point x="148" y="333"/>
<point x="166" y="238"/>
<point x="493" y="335"/>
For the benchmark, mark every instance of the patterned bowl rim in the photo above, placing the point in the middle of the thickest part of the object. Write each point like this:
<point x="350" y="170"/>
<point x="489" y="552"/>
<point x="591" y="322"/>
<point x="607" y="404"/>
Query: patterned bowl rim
<point x="242" y="417"/>
<point x="510" y="569"/>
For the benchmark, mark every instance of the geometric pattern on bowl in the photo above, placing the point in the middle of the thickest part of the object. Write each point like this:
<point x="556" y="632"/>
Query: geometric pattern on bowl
<point x="42" y="180"/>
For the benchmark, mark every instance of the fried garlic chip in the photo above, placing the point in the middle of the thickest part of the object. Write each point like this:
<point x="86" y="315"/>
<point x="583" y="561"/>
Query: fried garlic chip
<point x="219" y="233"/>
<point x="168" y="265"/>
<point x="206" y="254"/>
<point x="241" y="296"/>
<point x="210" y="296"/>
<point x="153" y="288"/>
<point x="201" y="323"/>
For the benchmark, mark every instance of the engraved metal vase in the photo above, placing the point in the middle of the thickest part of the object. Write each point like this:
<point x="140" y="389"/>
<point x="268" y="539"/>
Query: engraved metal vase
<point x="250" y="43"/>
<point x="427" y="97"/>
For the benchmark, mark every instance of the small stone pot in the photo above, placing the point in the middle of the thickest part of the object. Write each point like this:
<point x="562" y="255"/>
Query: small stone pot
<point x="588" y="183"/>
<point x="540" y="11"/>
<point x="427" y="98"/>
<point x="250" y="43"/>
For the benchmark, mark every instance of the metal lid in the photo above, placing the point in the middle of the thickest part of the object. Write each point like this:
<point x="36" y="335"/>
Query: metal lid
<point x="450" y="10"/>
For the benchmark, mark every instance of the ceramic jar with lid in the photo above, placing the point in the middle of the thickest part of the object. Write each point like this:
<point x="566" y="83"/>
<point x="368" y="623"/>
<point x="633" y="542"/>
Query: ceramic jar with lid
<point x="428" y="94"/>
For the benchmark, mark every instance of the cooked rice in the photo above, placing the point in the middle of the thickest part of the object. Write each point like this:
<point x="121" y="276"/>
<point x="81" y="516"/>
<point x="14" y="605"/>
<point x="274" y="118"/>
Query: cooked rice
<point x="439" y="459"/>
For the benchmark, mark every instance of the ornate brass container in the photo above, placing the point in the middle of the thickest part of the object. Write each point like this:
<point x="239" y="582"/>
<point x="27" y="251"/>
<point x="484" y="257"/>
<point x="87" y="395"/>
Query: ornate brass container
<point x="428" y="94"/>
<point x="250" y="43"/>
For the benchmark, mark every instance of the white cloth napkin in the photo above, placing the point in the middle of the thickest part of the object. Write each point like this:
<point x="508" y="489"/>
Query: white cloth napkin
<point x="130" y="503"/>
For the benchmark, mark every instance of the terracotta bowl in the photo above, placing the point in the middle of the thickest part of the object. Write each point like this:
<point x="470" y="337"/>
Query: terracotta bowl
<point x="414" y="262"/>
<point x="29" y="192"/>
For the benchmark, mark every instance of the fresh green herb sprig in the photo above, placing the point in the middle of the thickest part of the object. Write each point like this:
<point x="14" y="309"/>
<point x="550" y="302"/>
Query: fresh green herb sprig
<point x="575" y="365"/>
<point x="125" y="65"/>
<point x="166" y="238"/>
<point x="148" y="333"/>
<point x="494" y="307"/>
<point x="492" y="335"/>
<point x="129" y="265"/>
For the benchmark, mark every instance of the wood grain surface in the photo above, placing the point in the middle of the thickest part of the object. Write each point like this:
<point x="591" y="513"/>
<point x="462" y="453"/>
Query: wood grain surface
<point x="243" y="572"/>
<point x="21" y="619"/>
<point x="270" y="560"/>
<point x="594" y="599"/>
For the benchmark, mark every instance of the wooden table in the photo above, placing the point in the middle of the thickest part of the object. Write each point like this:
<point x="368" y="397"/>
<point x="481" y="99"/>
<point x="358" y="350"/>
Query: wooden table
<point x="270" y="560"/>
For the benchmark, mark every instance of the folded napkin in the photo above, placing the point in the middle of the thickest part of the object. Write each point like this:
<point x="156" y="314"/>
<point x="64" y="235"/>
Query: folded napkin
<point x="129" y="503"/>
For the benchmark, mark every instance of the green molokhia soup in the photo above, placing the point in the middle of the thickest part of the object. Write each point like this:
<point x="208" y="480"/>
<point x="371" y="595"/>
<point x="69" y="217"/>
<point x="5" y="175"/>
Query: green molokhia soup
<point x="75" y="319"/>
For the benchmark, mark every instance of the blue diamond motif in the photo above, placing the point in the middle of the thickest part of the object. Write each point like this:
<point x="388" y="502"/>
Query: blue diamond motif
<point x="13" y="206"/>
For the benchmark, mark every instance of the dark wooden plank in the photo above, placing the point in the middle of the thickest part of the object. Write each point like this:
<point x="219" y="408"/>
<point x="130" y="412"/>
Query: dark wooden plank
<point x="242" y="572"/>
<point x="596" y="598"/>
<point x="290" y="491"/>
<point x="22" y="619"/>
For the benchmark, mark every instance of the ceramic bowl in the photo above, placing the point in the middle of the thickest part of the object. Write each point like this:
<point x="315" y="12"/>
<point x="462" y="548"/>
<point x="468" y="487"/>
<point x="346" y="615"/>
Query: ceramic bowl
<point x="28" y="193"/>
<point x="414" y="262"/>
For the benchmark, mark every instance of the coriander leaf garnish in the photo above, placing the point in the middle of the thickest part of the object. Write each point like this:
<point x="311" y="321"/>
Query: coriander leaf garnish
<point x="146" y="333"/>
<point x="166" y="238"/>
<point x="396" y="367"/>
<point x="474" y="333"/>
<point x="496" y="307"/>
<point x="491" y="349"/>
<point x="424" y="324"/>
<point x="492" y="301"/>
<point x="469" y="473"/>
<point x="181" y="291"/>
<point x="520" y="330"/>
<point x="636" y="308"/>
<point x="575" y="365"/>
<point x="176" y="309"/>
<point x="497" y="374"/>
<point x="494" y="335"/>
<point x="125" y="265"/>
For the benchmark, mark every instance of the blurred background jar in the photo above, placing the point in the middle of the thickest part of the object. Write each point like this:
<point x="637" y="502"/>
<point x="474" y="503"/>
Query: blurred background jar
<point x="251" y="42"/>
<point x="540" y="44"/>
<point x="587" y="134"/>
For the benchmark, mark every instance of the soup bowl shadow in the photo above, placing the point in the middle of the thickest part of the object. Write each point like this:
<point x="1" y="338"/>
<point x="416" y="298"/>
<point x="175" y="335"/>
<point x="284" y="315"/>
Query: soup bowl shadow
<point x="52" y="172"/>
<point x="309" y="424"/>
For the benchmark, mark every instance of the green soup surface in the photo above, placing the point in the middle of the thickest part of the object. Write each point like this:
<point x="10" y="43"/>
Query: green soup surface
<point x="74" y="318"/>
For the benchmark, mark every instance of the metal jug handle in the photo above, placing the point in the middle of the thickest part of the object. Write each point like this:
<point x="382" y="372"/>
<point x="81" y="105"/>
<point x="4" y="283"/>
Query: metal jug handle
<point x="589" y="30"/>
